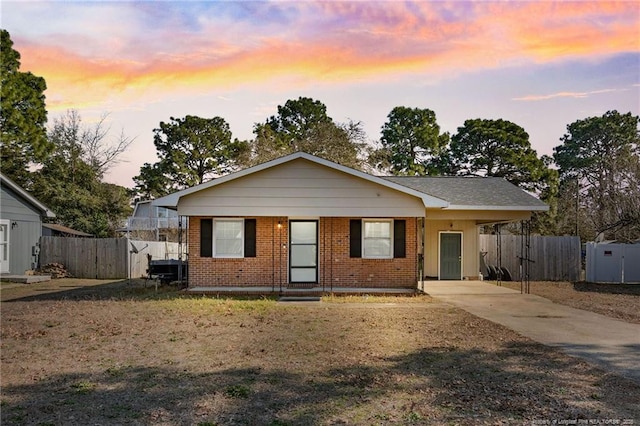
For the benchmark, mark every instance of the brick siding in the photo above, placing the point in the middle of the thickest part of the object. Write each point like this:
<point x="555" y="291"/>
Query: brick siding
<point x="269" y="267"/>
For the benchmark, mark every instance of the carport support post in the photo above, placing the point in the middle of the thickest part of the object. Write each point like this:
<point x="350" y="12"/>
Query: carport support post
<point x="498" y="230"/>
<point x="525" y="253"/>
<point x="129" y="260"/>
<point x="180" y="250"/>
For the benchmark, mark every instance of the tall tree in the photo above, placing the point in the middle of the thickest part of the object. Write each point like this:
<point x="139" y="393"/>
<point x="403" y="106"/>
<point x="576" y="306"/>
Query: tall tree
<point x="151" y="183"/>
<point x="191" y="150"/>
<point x="340" y="143"/>
<point x="92" y="144"/>
<point x="546" y="223"/>
<point x="411" y="142"/>
<point x="267" y="145"/>
<point x="71" y="184"/>
<point x="499" y="148"/>
<point x="23" y="115"/>
<point x="599" y="164"/>
<point x="303" y="125"/>
<point x="101" y="151"/>
<point x="298" y="119"/>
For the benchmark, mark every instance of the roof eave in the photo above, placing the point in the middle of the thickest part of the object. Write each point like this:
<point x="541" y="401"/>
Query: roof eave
<point x="65" y="230"/>
<point x="169" y="201"/>
<point x="540" y="208"/>
<point x="28" y="197"/>
<point x="431" y="202"/>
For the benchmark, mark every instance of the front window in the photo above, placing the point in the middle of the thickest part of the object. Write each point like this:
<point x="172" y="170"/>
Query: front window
<point x="228" y="238"/>
<point x="376" y="239"/>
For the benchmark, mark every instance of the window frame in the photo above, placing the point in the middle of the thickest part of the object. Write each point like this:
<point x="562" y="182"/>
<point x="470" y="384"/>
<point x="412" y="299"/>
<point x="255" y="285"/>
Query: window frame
<point x="215" y="240"/>
<point x="390" y="238"/>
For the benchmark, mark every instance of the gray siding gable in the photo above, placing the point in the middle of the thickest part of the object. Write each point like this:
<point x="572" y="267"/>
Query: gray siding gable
<point x="143" y="209"/>
<point x="24" y="197"/>
<point x="15" y="207"/>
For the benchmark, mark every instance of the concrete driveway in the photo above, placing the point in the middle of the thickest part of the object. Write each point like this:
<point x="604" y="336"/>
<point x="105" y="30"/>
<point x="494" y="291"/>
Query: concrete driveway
<point x="611" y="344"/>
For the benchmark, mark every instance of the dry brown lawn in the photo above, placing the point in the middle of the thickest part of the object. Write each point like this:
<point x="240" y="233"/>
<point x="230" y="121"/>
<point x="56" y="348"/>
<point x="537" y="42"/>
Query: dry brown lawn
<point x="620" y="301"/>
<point x="81" y="352"/>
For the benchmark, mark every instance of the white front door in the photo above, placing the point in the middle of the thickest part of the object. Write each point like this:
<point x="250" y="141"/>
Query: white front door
<point x="4" y="245"/>
<point x="303" y="251"/>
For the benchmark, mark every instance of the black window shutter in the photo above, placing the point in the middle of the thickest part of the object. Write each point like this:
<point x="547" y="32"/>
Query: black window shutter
<point x="399" y="238"/>
<point x="249" y="238"/>
<point x="206" y="237"/>
<point x="355" y="238"/>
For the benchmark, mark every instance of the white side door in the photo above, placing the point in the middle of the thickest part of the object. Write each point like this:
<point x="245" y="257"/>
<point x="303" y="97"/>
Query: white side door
<point x="4" y="245"/>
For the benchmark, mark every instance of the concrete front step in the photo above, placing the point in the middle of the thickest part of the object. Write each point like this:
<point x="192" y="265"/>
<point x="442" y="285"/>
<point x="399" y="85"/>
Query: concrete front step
<point x="25" y="279"/>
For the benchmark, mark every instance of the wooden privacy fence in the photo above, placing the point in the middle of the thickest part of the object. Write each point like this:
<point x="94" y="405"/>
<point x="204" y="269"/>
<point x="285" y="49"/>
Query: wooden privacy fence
<point x="553" y="258"/>
<point x="104" y="258"/>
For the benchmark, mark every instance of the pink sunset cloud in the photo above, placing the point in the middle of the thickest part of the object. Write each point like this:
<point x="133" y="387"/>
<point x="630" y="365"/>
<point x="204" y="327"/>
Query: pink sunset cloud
<point x="575" y="95"/>
<point x="319" y="42"/>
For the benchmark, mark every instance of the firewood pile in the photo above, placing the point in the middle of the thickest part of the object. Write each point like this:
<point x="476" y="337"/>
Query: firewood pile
<point x="56" y="270"/>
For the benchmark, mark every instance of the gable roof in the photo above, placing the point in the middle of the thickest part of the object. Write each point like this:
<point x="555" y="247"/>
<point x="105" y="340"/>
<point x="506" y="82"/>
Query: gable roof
<point x="443" y="192"/>
<point x="171" y="200"/>
<point x="473" y="193"/>
<point x="30" y="199"/>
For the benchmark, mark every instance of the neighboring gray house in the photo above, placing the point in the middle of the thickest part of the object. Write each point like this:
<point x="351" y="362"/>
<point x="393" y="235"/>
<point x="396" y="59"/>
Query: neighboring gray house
<point x="20" y="227"/>
<point x="150" y="222"/>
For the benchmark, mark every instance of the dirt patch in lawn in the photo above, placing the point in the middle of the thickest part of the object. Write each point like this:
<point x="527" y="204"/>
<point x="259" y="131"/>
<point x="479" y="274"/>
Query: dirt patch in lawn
<point x="127" y="355"/>
<point x="620" y="301"/>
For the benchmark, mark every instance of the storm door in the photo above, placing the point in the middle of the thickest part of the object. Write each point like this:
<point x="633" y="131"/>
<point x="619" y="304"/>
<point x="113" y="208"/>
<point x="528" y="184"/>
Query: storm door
<point x="303" y="251"/>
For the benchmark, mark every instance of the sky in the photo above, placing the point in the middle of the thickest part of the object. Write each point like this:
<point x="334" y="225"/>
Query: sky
<point x="541" y="65"/>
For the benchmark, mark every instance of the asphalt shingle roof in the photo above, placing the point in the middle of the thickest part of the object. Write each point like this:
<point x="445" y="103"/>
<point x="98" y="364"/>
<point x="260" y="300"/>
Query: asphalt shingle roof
<point x="470" y="191"/>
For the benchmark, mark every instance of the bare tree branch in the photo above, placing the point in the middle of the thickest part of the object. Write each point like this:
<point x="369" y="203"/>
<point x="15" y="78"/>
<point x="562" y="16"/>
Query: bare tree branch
<point x="98" y="151"/>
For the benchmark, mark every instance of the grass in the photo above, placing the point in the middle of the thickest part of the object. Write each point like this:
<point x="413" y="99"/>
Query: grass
<point x="403" y="299"/>
<point x="120" y="355"/>
<point x="196" y="304"/>
<point x="83" y="386"/>
<point x="237" y="391"/>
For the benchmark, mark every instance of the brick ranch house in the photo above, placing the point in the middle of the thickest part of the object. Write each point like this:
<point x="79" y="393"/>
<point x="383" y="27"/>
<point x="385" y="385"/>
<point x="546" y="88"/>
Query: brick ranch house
<point x="302" y="221"/>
